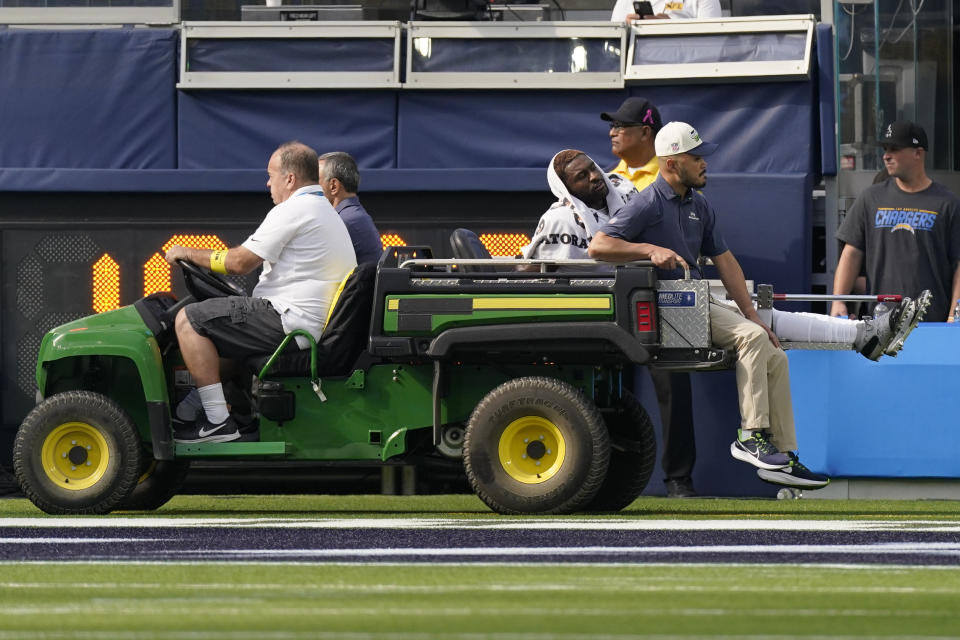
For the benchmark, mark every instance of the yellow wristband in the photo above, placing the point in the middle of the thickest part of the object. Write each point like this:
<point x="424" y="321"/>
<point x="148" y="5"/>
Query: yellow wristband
<point x="218" y="261"/>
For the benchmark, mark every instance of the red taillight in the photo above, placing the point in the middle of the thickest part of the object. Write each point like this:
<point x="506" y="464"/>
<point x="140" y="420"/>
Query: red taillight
<point x="646" y="320"/>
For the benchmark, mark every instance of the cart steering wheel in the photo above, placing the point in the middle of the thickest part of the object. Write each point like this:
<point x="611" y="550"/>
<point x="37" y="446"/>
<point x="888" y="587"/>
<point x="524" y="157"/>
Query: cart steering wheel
<point x="203" y="283"/>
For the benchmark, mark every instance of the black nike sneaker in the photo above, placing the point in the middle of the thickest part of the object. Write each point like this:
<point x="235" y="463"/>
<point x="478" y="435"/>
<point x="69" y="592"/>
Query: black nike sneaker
<point x="204" y="431"/>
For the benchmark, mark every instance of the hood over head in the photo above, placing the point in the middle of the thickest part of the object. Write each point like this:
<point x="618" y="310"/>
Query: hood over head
<point x="616" y="196"/>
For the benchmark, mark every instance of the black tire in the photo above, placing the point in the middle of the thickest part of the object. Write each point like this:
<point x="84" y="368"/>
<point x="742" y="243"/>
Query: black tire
<point x="77" y="452"/>
<point x="633" y="453"/>
<point x="516" y="471"/>
<point x="159" y="481"/>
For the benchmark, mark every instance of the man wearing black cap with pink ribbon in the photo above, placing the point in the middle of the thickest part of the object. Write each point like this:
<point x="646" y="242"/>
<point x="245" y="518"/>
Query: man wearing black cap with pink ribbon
<point x="633" y="128"/>
<point x="906" y="230"/>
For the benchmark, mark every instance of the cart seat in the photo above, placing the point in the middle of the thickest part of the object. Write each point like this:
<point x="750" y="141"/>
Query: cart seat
<point x="466" y="245"/>
<point x="344" y="338"/>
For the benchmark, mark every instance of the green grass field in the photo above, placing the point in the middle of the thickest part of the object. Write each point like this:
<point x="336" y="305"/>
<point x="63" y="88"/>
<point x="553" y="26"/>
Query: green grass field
<point x="324" y="601"/>
<point x="522" y="602"/>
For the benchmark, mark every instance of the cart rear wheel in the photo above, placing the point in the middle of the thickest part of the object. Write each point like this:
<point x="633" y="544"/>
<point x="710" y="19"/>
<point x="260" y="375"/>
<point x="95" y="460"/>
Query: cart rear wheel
<point x="159" y="481"/>
<point x="536" y="445"/>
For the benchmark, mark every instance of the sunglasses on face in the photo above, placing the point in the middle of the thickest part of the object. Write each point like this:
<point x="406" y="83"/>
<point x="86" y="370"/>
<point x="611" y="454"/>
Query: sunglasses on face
<point x="619" y="126"/>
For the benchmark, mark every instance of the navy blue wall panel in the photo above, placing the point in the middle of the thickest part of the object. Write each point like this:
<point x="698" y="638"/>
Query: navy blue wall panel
<point x="105" y="99"/>
<point x="763" y="128"/>
<point x="89" y="99"/>
<point x="826" y="117"/>
<point x="481" y="129"/>
<point x="239" y="129"/>
<point x="766" y="221"/>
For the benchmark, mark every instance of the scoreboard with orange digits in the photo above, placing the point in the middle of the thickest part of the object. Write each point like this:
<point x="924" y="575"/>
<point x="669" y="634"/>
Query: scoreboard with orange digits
<point x="157" y="276"/>
<point x="55" y="272"/>
<point x="55" y="275"/>
<point x="498" y="244"/>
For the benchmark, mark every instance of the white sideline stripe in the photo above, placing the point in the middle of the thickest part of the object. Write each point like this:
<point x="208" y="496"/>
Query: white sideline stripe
<point x="402" y="635"/>
<point x="927" y="548"/>
<point x="617" y="586"/>
<point x="226" y="606"/>
<point x="577" y="524"/>
<point x="896" y="548"/>
<point x="73" y="540"/>
<point x="433" y="564"/>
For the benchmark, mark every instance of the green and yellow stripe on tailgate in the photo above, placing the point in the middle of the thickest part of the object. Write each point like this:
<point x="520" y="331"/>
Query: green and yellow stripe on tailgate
<point x="431" y="314"/>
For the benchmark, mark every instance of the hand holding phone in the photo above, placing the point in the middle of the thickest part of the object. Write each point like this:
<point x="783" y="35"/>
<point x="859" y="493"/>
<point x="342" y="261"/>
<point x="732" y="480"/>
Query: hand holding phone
<point x="643" y="8"/>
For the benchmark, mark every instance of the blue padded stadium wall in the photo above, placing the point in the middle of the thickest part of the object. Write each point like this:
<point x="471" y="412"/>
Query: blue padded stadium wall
<point x="240" y="129"/>
<point x="88" y="99"/>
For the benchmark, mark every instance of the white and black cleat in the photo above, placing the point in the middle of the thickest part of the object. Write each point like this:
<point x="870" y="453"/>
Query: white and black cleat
<point x="908" y="322"/>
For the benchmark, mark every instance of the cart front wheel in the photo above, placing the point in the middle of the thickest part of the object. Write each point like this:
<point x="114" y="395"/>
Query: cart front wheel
<point x="77" y="452"/>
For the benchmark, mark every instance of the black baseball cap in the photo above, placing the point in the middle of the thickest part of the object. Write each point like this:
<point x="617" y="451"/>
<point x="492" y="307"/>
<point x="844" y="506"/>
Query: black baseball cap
<point x="636" y="111"/>
<point x="904" y="133"/>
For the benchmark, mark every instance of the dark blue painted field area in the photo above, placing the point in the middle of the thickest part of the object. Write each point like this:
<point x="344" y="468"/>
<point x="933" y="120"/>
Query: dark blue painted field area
<point x="452" y="541"/>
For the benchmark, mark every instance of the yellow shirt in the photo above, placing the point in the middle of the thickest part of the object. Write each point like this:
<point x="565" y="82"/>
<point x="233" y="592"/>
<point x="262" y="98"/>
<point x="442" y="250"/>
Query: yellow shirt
<point x="642" y="177"/>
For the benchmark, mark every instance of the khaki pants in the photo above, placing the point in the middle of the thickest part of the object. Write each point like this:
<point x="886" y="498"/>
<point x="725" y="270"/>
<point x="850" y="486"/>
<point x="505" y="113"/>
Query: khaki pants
<point x="763" y="375"/>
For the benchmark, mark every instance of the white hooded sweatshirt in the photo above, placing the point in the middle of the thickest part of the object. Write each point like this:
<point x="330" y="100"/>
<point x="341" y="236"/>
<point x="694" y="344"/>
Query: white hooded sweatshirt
<point x="567" y="227"/>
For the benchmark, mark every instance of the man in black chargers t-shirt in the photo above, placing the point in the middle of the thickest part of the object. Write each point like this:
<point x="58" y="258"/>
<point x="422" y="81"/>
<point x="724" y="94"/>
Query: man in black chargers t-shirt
<point x="906" y="231"/>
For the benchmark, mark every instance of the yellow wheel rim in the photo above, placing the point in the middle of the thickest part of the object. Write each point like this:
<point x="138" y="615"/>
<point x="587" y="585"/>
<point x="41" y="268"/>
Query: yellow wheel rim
<point x="75" y="456"/>
<point x="532" y="449"/>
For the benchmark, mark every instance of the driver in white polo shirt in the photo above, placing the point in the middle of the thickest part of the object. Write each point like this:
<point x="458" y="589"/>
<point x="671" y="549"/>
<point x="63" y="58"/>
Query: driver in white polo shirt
<point x="305" y="251"/>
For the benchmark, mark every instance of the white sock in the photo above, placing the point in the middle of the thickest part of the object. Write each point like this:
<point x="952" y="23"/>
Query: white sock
<point x="813" y="327"/>
<point x="189" y="408"/>
<point x="214" y="404"/>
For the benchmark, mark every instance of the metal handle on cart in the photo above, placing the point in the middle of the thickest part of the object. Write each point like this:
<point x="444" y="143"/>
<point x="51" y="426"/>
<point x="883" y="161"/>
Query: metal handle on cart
<point x="514" y="262"/>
